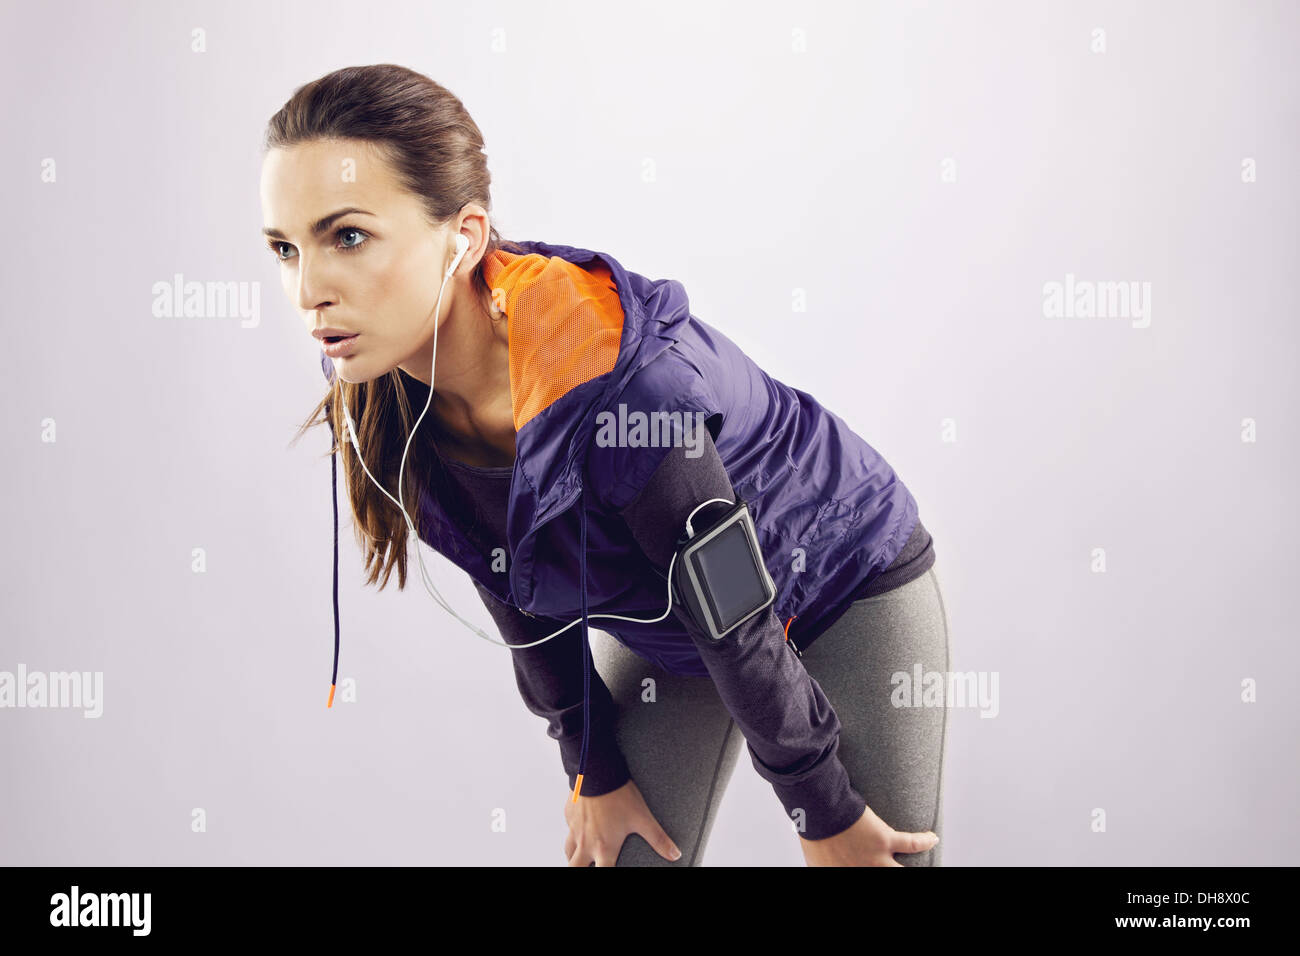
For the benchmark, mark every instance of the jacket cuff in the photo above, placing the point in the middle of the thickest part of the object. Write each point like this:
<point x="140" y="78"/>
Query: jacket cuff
<point x="606" y="768"/>
<point x="820" y="801"/>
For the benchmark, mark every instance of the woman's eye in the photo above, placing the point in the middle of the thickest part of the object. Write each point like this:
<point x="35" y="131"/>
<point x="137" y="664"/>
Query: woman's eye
<point x="275" y="245"/>
<point x="351" y="229"/>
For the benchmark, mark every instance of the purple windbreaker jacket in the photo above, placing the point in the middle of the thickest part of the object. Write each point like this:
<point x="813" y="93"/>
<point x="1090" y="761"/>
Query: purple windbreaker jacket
<point x="828" y="509"/>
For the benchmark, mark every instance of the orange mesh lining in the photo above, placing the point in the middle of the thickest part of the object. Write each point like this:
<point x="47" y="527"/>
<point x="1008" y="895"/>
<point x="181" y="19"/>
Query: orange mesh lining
<point x="564" y="324"/>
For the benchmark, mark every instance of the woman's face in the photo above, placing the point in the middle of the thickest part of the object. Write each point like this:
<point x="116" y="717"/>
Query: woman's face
<point x="355" y="252"/>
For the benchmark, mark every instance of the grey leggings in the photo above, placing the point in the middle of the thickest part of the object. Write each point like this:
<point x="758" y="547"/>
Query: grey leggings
<point x="683" y="749"/>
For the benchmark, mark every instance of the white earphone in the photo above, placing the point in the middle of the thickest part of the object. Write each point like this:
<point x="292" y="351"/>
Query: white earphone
<point x="462" y="246"/>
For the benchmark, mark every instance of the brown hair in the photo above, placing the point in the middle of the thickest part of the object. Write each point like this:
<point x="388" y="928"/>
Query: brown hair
<point x="424" y="133"/>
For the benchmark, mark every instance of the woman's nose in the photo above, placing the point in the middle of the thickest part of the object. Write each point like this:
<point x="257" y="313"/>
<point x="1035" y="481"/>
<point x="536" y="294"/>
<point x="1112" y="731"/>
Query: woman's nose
<point x="310" y="290"/>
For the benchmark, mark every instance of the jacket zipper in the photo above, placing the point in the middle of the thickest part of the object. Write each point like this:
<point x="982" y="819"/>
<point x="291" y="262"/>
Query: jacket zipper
<point x="558" y="511"/>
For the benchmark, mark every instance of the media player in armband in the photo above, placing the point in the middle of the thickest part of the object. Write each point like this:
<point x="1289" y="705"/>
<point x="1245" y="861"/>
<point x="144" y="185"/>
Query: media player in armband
<point x="720" y="580"/>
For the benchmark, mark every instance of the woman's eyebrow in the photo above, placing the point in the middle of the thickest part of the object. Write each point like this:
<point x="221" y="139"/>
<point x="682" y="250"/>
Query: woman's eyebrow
<point x="320" y="226"/>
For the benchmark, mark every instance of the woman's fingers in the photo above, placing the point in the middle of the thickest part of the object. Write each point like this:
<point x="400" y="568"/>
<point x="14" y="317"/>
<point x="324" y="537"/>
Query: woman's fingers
<point x="601" y="850"/>
<point x="658" y="839"/>
<point x="912" y="842"/>
<point x="584" y="857"/>
<point x="580" y="858"/>
<point x="596" y="853"/>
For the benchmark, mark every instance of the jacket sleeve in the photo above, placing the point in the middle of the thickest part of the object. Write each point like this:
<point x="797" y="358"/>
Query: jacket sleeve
<point x="549" y="677"/>
<point x="790" y="728"/>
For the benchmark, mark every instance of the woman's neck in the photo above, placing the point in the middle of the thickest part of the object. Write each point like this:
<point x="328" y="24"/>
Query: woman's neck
<point x="472" y="405"/>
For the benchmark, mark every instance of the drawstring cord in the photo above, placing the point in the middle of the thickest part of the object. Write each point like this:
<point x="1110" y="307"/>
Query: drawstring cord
<point x="586" y="650"/>
<point x="334" y="497"/>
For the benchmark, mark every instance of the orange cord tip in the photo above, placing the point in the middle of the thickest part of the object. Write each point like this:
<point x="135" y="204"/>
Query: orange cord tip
<point x="577" y="788"/>
<point x="331" y="700"/>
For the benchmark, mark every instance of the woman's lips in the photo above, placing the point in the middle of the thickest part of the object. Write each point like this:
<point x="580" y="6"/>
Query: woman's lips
<point x="340" y="347"/>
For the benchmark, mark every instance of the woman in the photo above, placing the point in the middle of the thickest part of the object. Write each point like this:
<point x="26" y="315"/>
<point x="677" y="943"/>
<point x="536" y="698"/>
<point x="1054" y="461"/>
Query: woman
<point x="580" y="420"/>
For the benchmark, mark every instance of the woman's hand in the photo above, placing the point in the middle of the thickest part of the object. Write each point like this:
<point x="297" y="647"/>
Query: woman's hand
<point x="599" y="825"/>
<point x="869" y="842"/>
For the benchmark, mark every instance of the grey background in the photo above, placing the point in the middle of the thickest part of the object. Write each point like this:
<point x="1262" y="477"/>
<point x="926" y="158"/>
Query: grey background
<point x="775" y="170"/>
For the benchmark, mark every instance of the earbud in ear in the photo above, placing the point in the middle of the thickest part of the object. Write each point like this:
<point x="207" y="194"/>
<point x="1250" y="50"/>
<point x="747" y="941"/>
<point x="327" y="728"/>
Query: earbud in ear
<point x="462" y="244"/>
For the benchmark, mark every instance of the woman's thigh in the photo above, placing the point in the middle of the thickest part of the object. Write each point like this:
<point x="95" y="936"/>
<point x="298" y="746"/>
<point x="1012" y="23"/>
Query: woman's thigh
<point x="680" y="744"/>
<point x="892" y="747"/>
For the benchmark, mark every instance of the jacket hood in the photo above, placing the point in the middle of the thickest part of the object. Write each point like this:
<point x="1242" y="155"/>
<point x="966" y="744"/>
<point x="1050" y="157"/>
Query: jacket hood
<point x="579" y="328"/>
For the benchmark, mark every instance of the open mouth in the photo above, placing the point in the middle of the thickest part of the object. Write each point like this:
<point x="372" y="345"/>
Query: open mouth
<point x="332" y="339"/>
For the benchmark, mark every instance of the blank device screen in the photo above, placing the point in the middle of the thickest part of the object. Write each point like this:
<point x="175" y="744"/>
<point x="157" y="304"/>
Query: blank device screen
<point x="733" y="580"/>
